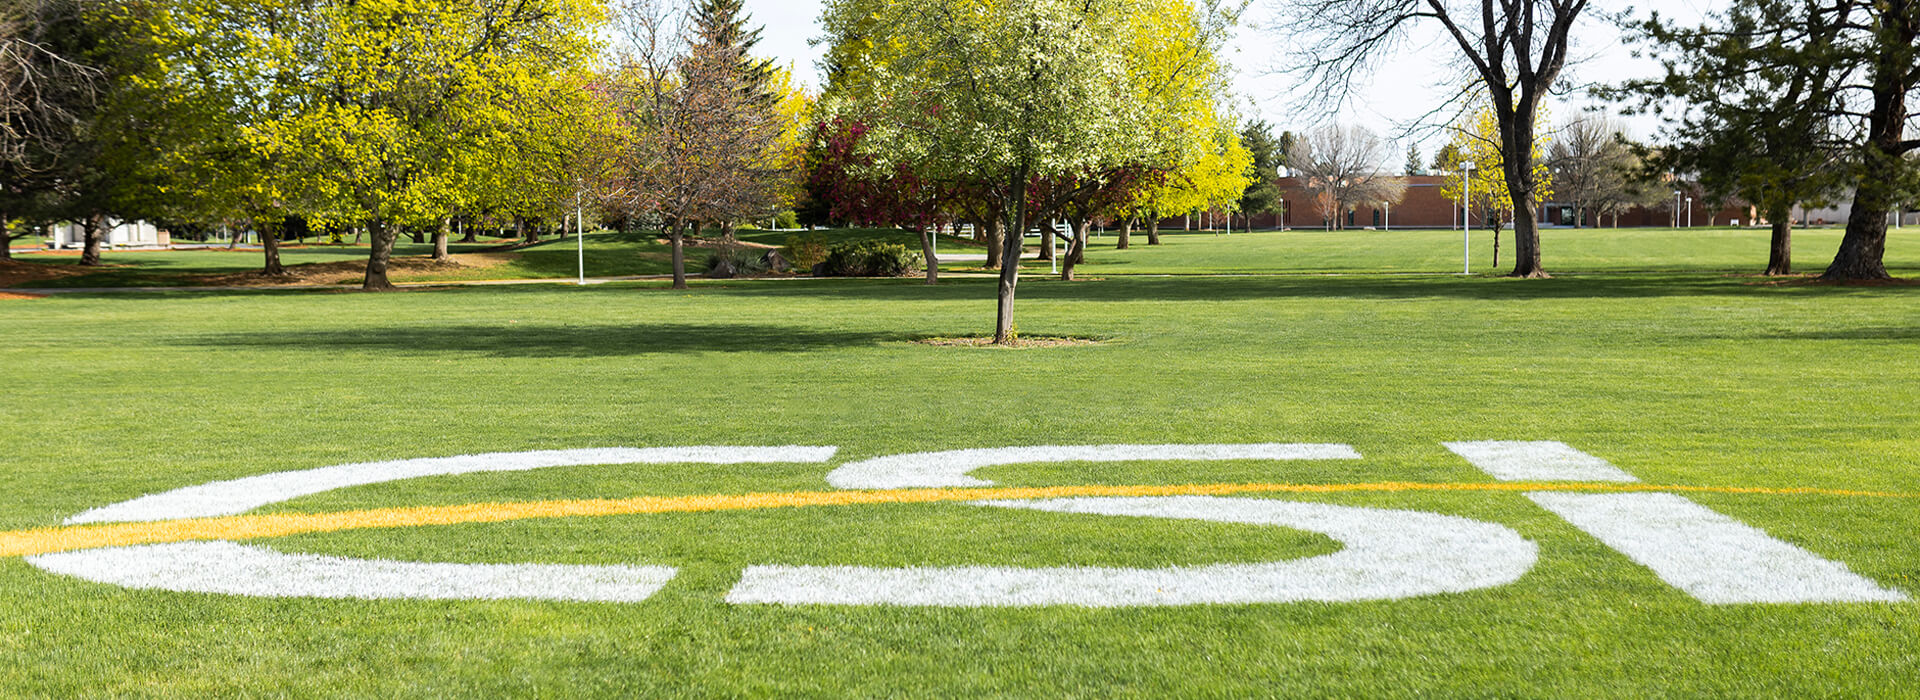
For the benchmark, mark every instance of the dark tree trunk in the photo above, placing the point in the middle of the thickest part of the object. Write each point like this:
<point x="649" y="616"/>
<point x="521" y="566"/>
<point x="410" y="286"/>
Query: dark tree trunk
<point x="996" y="240"/>
<point x="699" y="227"/>
<point x="1496" y="247"/>
<point x="416" y="234"/>
<point x="1153" y="232"/>
<point x="440" y="237"/>
<point x="528" y="235"/>
<point x="1126" y="235"/>
<point x="679" y="256"/>
<point x="6" y="239"/>
<point x="1780" y="253"/>
<point x="1863" y="249"/>
<point x="270" y="248"/>
<point x="92" y="230"/>
<point x="1046" y="241"/>
<point x="1077" y="251"/>
<point x="1517" y="137"/>
<point x="383" y="237"/>
<point x="1010" y="271"/>
<point x="927" y="253"/>
<point x="467" y="233"/>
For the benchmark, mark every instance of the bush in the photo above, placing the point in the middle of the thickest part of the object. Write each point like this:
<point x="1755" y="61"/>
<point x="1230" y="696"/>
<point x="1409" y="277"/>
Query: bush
<point x="806" y="250"/>
<point x="734" y="262"/>
<point x="869" y="259"/>
<point x="786" y="219"/>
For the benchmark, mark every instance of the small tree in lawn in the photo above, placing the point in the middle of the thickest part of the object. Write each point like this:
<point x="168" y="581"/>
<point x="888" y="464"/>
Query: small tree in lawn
<point x="1000" y="92"/>
<point x="1478" y="141"/>
<point x="1591" y="164"/>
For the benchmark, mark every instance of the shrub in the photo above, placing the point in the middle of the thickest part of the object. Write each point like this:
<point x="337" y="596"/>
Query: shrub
<point x="806" y="250"/>
<point x="786" y="219"/>
<point x="733" y="262"/>
<point x="870" y="259"/>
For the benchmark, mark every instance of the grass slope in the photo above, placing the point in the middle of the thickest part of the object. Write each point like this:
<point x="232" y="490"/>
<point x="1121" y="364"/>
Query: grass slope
<point x="1689" y="379"/>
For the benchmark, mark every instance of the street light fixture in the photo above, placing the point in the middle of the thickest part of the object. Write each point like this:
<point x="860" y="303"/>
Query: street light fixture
<point x="1689" y="212"/>
<point x="1676" y="208"/>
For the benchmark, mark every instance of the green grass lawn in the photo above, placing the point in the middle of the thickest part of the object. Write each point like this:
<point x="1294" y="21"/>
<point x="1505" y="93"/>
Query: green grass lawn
<point x="1679" y="378"/>
<point x="1564" y="250"/>
<point x="608" y="254"/>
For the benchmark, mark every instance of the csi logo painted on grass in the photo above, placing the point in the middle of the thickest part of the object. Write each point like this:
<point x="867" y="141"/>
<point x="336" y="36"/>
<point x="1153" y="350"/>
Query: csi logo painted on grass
<point x="1385" y="555"/>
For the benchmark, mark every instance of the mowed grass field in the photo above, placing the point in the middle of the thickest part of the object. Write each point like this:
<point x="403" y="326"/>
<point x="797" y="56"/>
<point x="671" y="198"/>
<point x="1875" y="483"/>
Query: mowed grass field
<point x="1299" y="251"/>
<point x="1681" y="378"/>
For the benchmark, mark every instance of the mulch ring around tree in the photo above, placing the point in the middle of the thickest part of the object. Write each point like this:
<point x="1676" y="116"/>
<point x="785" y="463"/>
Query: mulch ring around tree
<point x="1035" y="341"/>
<point x="10" y="295"/>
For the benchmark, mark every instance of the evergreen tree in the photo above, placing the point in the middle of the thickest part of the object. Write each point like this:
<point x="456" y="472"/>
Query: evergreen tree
<point x="1263" y="194"/>
<point x="1415" y="166"/>
<point x="722" y="26"/>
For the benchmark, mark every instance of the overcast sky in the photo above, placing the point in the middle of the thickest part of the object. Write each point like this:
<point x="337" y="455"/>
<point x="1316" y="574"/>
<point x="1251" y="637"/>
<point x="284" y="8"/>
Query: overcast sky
<point x="1404" y="91"/>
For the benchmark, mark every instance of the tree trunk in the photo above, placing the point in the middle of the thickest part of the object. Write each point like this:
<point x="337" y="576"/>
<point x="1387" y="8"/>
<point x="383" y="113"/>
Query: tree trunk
<point x="383" y="237"/>
<point x="528" y="235"/>
<point x="927" y="254"/>
<point x="1780" y="253"/>
<point x="1077" y="251"/>
<point x="1517" y="137"/>
<point x="92" y="230"/>
<point x="467" y="234"/>
<point x="679" y="256"/>
<point x="1046" y="241"/>
<point x="270" y="248"/>
<point x="1863" y="249"/>
<point x="418" y="237"/>
<point x="1010" y="271"/>
<point x="6" y="238"/>
<point x="698" y="227"/>
<point x="996" y="239"/>
<point x="1153" y="232"/>
<point x="440" y="241"/>
<point x="1496" y="247"/>
<point x="1126" y="234"/>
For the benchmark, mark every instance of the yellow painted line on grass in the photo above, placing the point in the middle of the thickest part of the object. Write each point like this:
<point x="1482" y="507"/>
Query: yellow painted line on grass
<point x="246" y="527"/>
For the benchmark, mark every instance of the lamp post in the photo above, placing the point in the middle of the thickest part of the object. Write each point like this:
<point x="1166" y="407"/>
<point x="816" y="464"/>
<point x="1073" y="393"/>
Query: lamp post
<point x="1466" y="218"/>
<point x="1676" y="208"/>
<point x="1689" y="212"/>
<point x="579" y="237"/>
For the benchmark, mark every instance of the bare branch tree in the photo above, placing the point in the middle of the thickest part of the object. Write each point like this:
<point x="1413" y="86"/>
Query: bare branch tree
<point x="1344" y="167"/>
<point x="1516" y="50"/>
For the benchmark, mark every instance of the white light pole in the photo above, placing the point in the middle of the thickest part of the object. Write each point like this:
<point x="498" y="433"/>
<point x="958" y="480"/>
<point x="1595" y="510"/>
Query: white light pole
<point x="1466" y="218"/>
<point x="580" y="237"/>
<point x="1689" y="212"/>
<point x="1676" y="208"/>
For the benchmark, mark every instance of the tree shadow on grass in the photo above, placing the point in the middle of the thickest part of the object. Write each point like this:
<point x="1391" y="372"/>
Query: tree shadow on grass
<point x="542" y="340"/>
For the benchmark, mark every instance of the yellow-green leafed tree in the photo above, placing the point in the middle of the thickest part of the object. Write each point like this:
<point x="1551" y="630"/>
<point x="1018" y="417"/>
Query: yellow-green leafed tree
<point x="1209" y="179"/>
<point x="402" y="90"/>
<point x="1477" y="140"/>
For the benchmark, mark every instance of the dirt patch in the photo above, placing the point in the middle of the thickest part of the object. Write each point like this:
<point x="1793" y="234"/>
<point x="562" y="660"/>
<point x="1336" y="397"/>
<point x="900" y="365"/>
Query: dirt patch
<point x="14" y="273"/>
<point x="11" y="295"/>
<point x="1038" y="341"/>
<point x="342" y="272"/>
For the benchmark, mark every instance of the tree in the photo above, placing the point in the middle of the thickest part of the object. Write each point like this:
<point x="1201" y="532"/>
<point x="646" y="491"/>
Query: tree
<point x="707" y="138"/>
<point x="1591" y="165"/>
<point x="1785" y="101"/>
<point x="1262" y="195"/>
<point x="1415" y="165"/>
<point x="1343" y="167"/>
<point x="1478" y="141"/>
<point x="1515" y="50"/>
<point x="998" y="92"/>
<point x="44" y="95"/>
